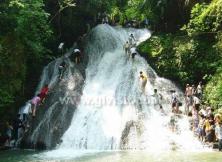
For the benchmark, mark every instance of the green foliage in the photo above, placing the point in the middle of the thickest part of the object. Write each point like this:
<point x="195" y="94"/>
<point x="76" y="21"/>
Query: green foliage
<point x="23" y="34"/>
<point x="32" y="26"/>
<point x="197" y="21"/>
<point x="195" y="56"/>
<point x="181" y="58"/>
<point x="205" y="18"/>
<point x="133" y="10"/>
<point x="214" y="88"/>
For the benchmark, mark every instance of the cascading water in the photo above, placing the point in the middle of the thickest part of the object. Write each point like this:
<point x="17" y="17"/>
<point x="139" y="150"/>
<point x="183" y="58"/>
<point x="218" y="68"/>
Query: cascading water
<point x="113" y="113"/>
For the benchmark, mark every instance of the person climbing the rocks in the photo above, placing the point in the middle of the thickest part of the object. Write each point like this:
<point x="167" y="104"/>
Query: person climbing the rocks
<point x="132" y="37"/>
<point x="188" y="97"/>
<point x="17" y="124"/>
<point x="143" y="79"/>
<point x="35" y="102"/>
<point x="174" y="101"/>
<point x="26" y="110"/>
<point x="132" y="40"/>
<point x="157" y="97"/>
<point x="126" y="47"/>
<point x="133" y="52"/>
<point x="77" y="55"/>
<point x="43" y="93"/>
<point x="62" y="68"/>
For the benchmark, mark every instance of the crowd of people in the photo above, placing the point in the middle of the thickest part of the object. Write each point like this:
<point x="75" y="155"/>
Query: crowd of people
<point x="102" y="18"/>
<point x="14" y="130"/>
<point x="130" y="47"/>
<point x="76" y="57"/>
<point x="205" y="124"/>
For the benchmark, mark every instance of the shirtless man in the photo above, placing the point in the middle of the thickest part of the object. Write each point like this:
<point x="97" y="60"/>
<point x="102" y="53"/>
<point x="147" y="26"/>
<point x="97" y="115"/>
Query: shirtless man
<point x="188" y="96"/>
<point x="126" y="47"/>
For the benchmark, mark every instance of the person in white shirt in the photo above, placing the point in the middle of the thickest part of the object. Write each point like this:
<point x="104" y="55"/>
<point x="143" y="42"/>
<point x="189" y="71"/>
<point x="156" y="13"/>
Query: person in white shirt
<point x="199" y="90"/>
<point x="208" y="111"/>
<point x="203" y="111"/>
<point x="196" y="102"/>
<point x="157" y="97"/>
<point x="133" y="52"/>
<point x="26" y="110"/>
<point x="132" y="40"/>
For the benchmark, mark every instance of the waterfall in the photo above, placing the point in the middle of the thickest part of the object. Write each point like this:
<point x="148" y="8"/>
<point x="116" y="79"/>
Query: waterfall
<point x="113" y="112"/>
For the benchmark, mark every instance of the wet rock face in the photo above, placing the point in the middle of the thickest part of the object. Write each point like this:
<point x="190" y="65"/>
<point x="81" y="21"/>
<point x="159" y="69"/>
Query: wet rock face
<point x="132" y="128"/>
<point x="54" y="116"/>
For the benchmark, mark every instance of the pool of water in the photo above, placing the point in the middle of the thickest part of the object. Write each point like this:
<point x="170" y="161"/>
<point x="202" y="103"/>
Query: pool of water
<point x="110" y="156"/>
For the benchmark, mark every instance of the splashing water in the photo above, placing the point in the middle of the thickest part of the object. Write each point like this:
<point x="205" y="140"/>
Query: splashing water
<point x="113" y="108"/>
<point x="112" y="78"/>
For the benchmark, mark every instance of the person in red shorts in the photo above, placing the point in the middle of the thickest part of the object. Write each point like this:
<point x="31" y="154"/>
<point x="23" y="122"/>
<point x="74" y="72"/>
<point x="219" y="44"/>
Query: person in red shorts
<point x="43" y="93"/>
